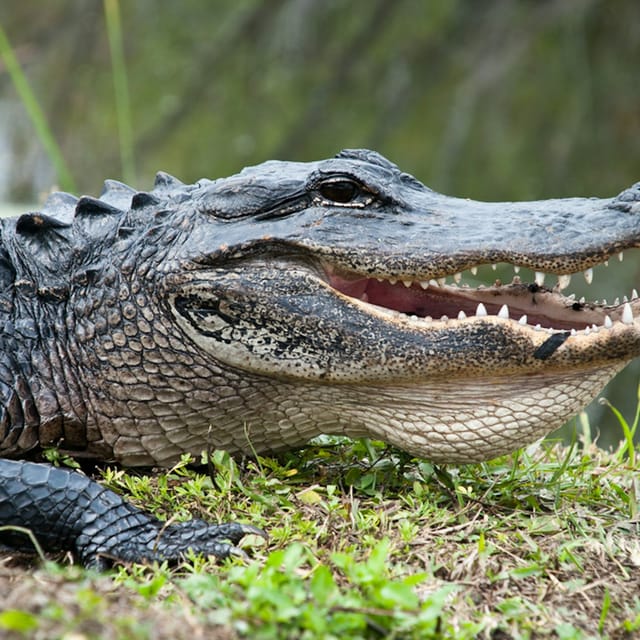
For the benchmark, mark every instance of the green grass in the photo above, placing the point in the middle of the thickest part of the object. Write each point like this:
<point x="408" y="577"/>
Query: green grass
<point x="366" y="542"/>
<point x="121" y="89"/>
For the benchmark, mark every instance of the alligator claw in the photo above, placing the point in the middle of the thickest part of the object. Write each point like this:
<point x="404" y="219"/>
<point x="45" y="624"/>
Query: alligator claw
<point x="154" y="541"/>
<point x="237" y="530"/>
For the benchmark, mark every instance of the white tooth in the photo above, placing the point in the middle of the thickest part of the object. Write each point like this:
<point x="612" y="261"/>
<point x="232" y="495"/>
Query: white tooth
<point x="494" y="266"/>
<point x="588" y="276"/>
<point x="481" y="310"/>
<point x="616" y="301"/>
<point x="595" y="328"/>
<point x="550" y="330"/>
<point x="462" y="315"/>
<point x="433" y="283"/>
<point x="608" y="323"/>
<point x="393" y="280"/>
<point x="606" y="263"/>
<point x="414" y="318"/>
<point x="621" y="256"/>
<point x="457" y="277"/>
<point x="540" y="278"/>
<point x="474" y="270"/>
<point x="442" y="281"/>
<point x="627" y="314"/>
<point x="407" y="283"/>
<point x="634" y="294"/>
<point x="427" y="318"/>
<point x="625" y="299"/>
<point x="604" y="302"/>
<point x="523" y="320"/>
<point x="574" y="332"/>
<point x="424" y="284"/>
<point x="444" y="318"/>
<point x="538" y="327"/>
<point x="379" y="279"/>
<point x="504" y="312"/>
<point x="587" y="331"/>
<point x="582" y="300"/>
<point x="564" y="281"/>
<point x="516" y="268"/>
<point x="571" y="297"/>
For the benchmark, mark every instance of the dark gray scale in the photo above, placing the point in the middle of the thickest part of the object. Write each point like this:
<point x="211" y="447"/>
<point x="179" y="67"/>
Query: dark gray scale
<point x="61" y="206"/>
<point x="144" y="199"/>
<point x="117" y="194"/>
<point x="50" y="239"/>
<point x="166" y="183"/>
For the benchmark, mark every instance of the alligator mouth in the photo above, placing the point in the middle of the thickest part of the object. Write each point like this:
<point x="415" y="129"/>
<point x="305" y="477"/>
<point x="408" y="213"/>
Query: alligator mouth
<point x="529" y="304"/>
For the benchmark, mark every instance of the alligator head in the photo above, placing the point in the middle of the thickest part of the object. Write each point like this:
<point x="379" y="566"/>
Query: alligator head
<point x="294" y="299"/>
<point x="343" y="275"/>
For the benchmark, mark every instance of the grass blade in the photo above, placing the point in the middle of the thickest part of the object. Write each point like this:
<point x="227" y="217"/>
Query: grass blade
<point x="121" y="89"/>
<point x="35" y="114"/>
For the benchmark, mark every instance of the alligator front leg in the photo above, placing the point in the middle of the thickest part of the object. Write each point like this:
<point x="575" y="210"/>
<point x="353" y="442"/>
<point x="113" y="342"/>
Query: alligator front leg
<point x="68" y="511"/>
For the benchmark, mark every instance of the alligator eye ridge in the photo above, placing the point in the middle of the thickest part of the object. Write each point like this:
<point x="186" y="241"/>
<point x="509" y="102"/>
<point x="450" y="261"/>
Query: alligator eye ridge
<point x="341" y="191"/>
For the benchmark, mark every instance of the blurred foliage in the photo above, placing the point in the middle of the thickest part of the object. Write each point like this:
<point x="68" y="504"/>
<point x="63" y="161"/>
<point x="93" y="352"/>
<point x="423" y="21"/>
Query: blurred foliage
<point x="503" y="99"/>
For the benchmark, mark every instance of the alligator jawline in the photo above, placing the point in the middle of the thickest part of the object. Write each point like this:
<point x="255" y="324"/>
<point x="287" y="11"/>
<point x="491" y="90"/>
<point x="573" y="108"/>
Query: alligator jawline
<point x="531" y="305"/>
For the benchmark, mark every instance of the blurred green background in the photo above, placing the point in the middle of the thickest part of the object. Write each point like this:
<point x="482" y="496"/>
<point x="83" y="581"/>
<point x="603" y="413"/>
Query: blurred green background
<point x="511" y="99"/>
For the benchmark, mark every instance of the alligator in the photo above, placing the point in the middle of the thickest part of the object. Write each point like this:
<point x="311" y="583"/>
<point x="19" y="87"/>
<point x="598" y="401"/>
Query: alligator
<point x="255" y="312"/>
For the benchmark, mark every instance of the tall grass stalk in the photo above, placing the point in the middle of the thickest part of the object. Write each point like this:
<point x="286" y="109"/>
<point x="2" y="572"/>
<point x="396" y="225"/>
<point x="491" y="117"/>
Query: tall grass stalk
<point x="629" y="430"/>
<point x="121" y="89"/>
<point x="36" y="114"/>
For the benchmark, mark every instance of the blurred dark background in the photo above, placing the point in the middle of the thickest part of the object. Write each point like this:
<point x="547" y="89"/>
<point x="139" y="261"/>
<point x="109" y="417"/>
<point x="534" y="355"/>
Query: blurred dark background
<point x="495" y="100"/>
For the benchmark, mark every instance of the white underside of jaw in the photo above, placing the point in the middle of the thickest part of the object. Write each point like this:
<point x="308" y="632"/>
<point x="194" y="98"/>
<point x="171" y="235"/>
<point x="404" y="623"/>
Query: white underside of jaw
<point x="469" y="420"/>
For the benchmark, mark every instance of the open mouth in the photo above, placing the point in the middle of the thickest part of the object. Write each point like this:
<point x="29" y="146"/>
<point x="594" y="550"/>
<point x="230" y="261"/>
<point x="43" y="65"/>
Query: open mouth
<point x="451" y="297"/>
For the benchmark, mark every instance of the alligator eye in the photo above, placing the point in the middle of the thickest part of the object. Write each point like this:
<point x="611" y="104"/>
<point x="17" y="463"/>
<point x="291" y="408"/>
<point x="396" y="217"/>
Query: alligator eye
<point x="341" y="191"/>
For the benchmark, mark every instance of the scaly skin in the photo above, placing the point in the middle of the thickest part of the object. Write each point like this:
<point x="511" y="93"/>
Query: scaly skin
<point x="290" y="300"/>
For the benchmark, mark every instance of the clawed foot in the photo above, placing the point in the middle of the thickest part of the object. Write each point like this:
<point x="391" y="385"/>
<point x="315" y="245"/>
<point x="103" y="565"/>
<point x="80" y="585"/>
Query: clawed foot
<point x="157" y="541"/>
